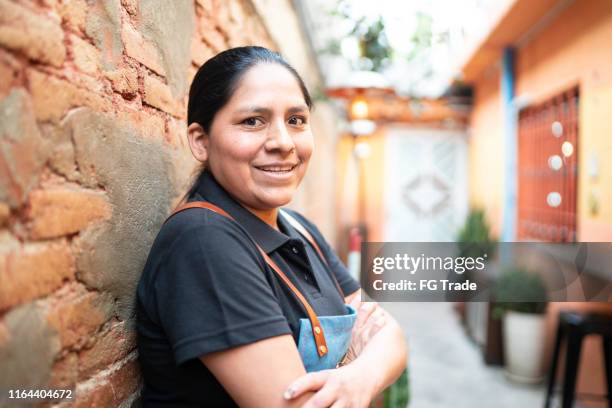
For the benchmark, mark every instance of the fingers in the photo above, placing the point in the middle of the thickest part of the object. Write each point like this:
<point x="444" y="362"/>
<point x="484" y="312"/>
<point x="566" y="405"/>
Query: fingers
<point x="308" y="382"/>
<point x="326" y="396"/>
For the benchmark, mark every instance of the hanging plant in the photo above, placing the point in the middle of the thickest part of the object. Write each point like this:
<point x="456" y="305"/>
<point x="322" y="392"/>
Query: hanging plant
<point x="373" y="44"/>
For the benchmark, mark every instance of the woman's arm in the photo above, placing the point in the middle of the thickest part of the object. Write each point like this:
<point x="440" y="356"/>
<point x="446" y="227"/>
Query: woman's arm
<point x="379" y="363"/>
<point x="385" y="356"/>
<point x="257" y="374"/>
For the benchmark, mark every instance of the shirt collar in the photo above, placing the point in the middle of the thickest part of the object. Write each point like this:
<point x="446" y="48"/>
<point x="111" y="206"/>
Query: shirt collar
<point x="269" y="239"/>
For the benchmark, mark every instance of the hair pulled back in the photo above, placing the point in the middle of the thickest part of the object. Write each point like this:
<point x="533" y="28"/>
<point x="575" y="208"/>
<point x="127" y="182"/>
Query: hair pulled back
<point x="217" y="79"/>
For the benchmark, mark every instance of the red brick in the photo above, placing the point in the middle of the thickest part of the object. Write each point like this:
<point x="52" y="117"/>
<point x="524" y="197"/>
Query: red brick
<point x="142" y="50"/>
<point x="111" y="389"/>
<point x="52" y="4"/>
<point x="148" y="125"/>
<point x="158" y="94"/>
<point x="10" y="70"/>
<point x="237" y="12"/>
<point x="126" y="379"/>
<point x="5" y="212"/>
<point x="62" y="161"/>
<point x="124" y="81"/>
<point x="4" y="335"/>
<point x="62" y="211"/>
<point x="222" y="12"/>
<point x="211" y="34"/>
<point x="200" y="52"/>
<point x="131" y="6"/>
<point x="77" y="314"/>
<point x="87" y="82"/>
<point x="24" y="152"/>
<point x="64" y="373"/>
<point x="33" y="270"/>
<point x="53" y="97"/>
<point x="7" y="74"/>
<point x="207" y="7"/>
<point x="74" y="13"/>
<point x="109" y="348"/>
<point x="177" y="133"/>
<point x="86" y="56"/>
<point x="35" y="35"/>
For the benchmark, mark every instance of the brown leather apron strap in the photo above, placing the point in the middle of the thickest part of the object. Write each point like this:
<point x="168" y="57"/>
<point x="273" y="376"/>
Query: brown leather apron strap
<point x="317" y="330"/>
<point x="304" y="232"/>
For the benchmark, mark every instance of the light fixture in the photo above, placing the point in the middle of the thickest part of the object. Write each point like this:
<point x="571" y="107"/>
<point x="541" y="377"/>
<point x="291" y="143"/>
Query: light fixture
<point x="567" y="148"/>
<point x="362" y="127"/>
<point x="359" y="108"/>
<point x="555" y="162"/>
<point x="553" y="199"/>
<point x="556" y="128"/>
<point x="362" y="149"/>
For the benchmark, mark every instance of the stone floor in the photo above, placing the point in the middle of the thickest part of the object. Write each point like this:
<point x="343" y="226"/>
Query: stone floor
<point x="446" y="367"/>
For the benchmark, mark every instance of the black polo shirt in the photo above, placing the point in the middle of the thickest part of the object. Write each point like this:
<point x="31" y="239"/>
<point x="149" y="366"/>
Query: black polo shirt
<point x="205" y="288"/>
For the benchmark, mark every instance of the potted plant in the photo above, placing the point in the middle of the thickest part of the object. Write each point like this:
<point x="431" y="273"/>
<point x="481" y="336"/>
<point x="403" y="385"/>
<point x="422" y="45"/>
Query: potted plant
<point x="475" y="240"/>
<point x="475" y="236"/>
<point x="521" y="300"/>
<point x="398" y="394"/>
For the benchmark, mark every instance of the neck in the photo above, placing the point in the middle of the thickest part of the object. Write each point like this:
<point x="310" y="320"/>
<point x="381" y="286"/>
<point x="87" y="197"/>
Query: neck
<point x="270" y="217"/>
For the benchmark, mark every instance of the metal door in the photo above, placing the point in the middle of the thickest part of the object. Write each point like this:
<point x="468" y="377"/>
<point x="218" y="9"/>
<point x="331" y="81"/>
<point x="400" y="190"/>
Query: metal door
<point x="547" y="169"/>
<point x="426" y="194"/>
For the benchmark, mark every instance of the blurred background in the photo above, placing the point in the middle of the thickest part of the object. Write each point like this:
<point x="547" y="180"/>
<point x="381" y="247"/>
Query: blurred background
<point x="476" y="121"/>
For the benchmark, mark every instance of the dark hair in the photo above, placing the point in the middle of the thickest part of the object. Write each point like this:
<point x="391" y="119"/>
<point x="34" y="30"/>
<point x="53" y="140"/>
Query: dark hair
<point x="217" y="79"/>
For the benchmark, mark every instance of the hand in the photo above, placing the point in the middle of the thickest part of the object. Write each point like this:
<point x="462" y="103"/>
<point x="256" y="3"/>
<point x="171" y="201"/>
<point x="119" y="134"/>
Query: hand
<point x="344" y="387"/>
<point x="370" y="319"/>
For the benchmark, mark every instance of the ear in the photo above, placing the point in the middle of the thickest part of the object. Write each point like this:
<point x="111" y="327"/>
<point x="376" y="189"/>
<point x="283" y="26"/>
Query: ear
<point x="198" y="141"/>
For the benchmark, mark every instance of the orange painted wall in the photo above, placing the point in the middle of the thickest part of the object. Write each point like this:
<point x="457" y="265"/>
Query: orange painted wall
<point x="573" y="50"/>
<point x="486" y="178"/>
<point x="372" y="177"/>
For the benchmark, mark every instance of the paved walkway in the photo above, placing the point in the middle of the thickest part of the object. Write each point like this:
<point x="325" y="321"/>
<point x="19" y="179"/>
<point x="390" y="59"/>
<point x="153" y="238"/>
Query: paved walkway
<point x="447" y="369"/>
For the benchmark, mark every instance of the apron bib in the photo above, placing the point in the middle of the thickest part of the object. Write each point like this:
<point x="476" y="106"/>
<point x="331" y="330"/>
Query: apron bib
<point x="337" y="330"/>
<point x="322" y="341"/>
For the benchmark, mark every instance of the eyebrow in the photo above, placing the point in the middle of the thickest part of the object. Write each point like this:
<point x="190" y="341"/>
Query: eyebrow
<point x="263" y="110"/>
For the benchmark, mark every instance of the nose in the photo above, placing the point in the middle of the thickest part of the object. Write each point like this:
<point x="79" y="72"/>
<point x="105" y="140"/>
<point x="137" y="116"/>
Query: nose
<point x="279" y="138"/>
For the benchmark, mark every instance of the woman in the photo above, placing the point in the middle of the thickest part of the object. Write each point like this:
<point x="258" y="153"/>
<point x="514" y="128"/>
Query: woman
<point x="238" y="299"/>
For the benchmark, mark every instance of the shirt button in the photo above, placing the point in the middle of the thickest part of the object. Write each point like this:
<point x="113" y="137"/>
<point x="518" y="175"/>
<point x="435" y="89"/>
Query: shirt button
<point x="295" y="250"/>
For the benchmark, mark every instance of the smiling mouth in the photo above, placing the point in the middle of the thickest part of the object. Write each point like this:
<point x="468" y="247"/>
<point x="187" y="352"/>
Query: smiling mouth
<point x="277" y="169"/>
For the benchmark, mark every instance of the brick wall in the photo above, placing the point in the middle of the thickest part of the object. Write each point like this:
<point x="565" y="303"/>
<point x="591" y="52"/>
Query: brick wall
<point x="93" y="154"/>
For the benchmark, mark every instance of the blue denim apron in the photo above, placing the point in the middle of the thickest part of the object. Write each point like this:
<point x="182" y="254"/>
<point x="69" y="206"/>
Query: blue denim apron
<point x="322" y="341"/>
<point x="337" y="331"/>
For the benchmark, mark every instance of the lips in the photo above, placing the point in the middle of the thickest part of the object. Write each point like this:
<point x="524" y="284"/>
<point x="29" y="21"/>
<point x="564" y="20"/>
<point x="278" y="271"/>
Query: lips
<point x="278" y="167"/>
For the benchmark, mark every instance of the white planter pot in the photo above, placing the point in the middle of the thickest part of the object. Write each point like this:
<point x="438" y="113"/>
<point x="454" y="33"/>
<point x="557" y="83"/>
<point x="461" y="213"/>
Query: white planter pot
<point x="524" y="346"/>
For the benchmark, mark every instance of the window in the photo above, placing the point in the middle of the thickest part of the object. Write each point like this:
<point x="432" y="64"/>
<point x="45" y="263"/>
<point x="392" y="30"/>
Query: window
<point x="547" y="169"/>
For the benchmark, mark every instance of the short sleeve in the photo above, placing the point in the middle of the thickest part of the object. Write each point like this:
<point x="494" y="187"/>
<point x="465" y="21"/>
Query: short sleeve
<point x="348" y="284"/>
<point x="212" y="294"/>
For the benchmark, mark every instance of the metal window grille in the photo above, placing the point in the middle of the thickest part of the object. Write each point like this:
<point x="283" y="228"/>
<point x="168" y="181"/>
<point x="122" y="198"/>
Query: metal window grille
<point x="547" y="169"/>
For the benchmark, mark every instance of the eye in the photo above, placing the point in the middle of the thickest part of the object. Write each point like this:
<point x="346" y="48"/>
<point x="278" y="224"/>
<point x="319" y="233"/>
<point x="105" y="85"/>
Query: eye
<point x="252" y="122"/>
<point x="297" y="120"/>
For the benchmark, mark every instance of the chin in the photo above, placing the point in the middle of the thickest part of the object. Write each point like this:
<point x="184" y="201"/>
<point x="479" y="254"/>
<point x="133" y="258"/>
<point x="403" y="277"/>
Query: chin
<point x="275" y="199"/>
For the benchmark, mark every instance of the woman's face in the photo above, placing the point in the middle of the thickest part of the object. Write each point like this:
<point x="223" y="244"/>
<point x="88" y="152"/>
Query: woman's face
<point x="260" y="142"/>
